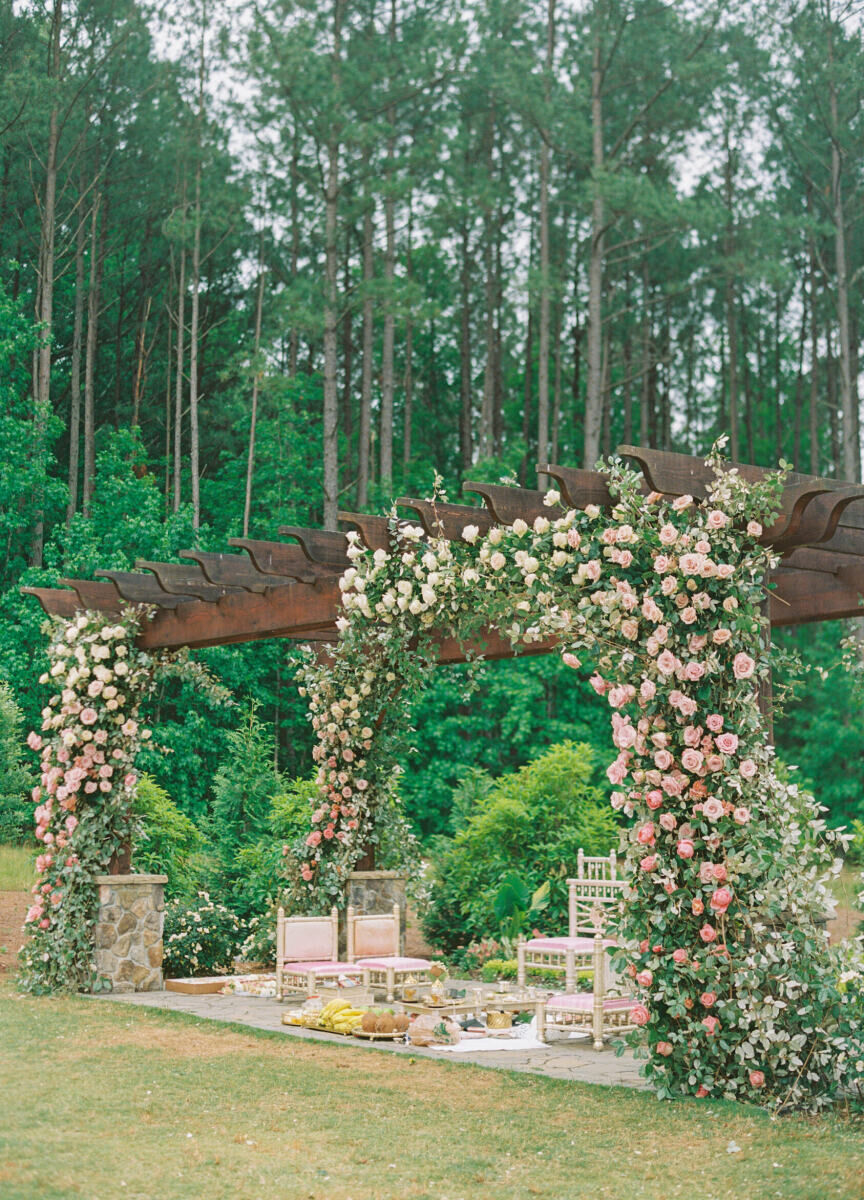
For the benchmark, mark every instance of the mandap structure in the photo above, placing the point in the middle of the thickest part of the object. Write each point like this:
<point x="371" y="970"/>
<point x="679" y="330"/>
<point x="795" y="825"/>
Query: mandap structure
<point x="740" y="994"/>
<point x="290" y="588"/>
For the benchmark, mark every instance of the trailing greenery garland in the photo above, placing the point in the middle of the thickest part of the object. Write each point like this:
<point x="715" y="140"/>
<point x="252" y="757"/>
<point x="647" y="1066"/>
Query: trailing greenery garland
<point x="740" y="993"/>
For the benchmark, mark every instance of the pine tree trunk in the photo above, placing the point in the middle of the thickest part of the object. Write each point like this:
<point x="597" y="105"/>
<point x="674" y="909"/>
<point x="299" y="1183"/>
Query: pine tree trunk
<point x="487" y="433"/>
<point x="140" y="362"/>
<point x="799" y="384"/>
<point x="331" y="297"/>
<point x="543" y="349"/>
<point x="466" y="432"/>
<point x="75" y="372"/>
<point x="729" y="304"/>
<point x="194" y="318"/>
<point x="556" y="384"/>
<point x="594" y="397"/>
<point x="347" y="360"/>
<point x="388" y="340"/>
<point x="814" y="352"/>
<point x="178" y="380"/>
<point x="90" y="359"/>
<point x="368" y="344"/>
<point x="408" y="377"/>
<point x="253" y="414"/>
<point x="294" y="338"/>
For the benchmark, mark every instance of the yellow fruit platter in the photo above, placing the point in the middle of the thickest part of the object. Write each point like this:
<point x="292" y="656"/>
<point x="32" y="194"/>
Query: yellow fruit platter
<point x="340" y="1016"/>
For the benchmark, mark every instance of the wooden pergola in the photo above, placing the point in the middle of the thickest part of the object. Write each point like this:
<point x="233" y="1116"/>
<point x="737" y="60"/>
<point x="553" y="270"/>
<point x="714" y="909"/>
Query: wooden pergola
<point x="290" y="588"/>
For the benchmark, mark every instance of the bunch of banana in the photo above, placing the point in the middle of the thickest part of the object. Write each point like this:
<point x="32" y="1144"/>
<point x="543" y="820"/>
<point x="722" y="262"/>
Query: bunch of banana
<point x="340" y="1016"/>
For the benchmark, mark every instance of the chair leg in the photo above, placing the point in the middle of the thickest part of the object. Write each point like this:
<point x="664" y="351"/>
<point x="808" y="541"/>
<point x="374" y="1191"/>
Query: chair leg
<point x="570" y="971"/>
<point x="310" y="983"/>
<point x="391" y="984"/>
<point x="520" y="964"/>
<point x="540" y="1012"/>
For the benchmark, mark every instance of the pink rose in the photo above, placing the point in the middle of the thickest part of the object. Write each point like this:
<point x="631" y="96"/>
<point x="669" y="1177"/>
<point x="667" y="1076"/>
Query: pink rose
<point x="71" y="824"/>
<point x="306" y="872"/>
<point x="647" y="689"/>
<point x="314" y="838"/>
<point x="694" y="671"/>
<point x="34" y="741"/>
<point x="708" y="999"/>
<point x="570" y="660"/>
<point x="639" y="1014"/>
<point x="754" y="529"/>
<point x="666" y="663"/>
<point x="679" y="956"/>
<point x="727" y="743"/>
<point x="664" y="1048"/>
<point x="721" y="636"/>
<point x="741" y="815"/>
<point x="714" y="762"/>
<point x="690" y="564"/>
<point x="685" y="848"/>
<point x="748" y="768"/>
<point x="714" y="722"/>
<point x="706" y="872"/>
<point x="692" y="760"/>
<point x="720" y="900"/>
<point x="711" y="1024"/>
<point x="663" y="760"/>
<point x="649" y="862"/>
<point x="667" y="822"/>
<point x="743" y="666"/>
<point x="661" y="563"/>
<point x="630" y="628"/>
<point x="645" y="835"/>
<point x="697" y="907"/>
<point x="716" y="519"/>
<point x="598" y="683"/>
<point x="593" y="569"/>
<point x="654" y="799"/>
<point x="707" y="933"/>
<point x="645" y="978"/>
<point x="702" y="1092"/>
<point x="89" y="716"/>
<point x="668" y="535"/>
<point x="687" y="706"/>
<point x="713" y="808"/>
<point x="617" y="772"/>
<point x="718" y="870"/>
<point x="689" y="615"/>
<point x="574" y="538"/>
<point x="757" y="1079"/>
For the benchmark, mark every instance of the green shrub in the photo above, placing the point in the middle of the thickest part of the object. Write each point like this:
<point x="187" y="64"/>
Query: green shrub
<point x="855" y="855"/>
<point x="532" y="822"/>
<point x="201" y="937"/>
<point x="259" y="867"/>
<point x="16" y="810"/>
<point x="168" y="842"/>
<point x="498" y="968"/>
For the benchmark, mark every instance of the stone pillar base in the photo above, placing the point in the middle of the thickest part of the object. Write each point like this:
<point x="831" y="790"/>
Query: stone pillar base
<point x="127" y="940"/>
<point x="377" y="892"/>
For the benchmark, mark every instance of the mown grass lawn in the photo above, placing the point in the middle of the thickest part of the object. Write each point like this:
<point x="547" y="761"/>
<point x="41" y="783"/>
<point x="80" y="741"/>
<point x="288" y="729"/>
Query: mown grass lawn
<point x="16" y="868"/>
<point x="103" y="1100"/>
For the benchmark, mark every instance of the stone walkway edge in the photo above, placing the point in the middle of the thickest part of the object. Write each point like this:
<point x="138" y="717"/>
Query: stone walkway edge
<point x="559" y="1060"/>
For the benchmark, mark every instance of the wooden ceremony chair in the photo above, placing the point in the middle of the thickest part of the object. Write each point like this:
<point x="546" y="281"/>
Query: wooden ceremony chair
<point x="307" y="949"/>
<point x="373" y="945"/>
<point x="594" y="896"/>
<point x="600" y="1013"/>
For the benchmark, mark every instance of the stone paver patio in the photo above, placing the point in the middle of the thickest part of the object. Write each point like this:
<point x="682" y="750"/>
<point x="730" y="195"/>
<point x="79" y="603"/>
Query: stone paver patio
<point x="574" y="1060"/>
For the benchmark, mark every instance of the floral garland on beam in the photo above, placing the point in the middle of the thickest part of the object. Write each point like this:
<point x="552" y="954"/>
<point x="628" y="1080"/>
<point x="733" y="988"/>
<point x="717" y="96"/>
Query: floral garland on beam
<point x="740" y="994"/>
<point x="88" y="745"/>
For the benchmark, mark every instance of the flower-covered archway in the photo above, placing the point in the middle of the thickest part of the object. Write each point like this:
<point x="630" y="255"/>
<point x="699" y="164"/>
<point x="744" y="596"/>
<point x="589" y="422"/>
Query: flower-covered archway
<point x="740" y="994"/>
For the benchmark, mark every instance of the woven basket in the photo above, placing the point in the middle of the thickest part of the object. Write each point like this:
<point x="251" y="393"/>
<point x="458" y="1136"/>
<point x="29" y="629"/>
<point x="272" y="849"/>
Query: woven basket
<point x="498" y="1020"/>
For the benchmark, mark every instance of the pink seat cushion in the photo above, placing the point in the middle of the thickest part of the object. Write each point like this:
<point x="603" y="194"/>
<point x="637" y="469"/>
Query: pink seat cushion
<point x="398" y="964"/>
<point x="562" y="944"/>
<point x="584" y="1002"/>
<point x="322" y="968"/>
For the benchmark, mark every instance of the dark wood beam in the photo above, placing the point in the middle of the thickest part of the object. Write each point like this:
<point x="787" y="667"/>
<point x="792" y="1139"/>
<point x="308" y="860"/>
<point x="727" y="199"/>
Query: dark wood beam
<point x="56" y="602"/>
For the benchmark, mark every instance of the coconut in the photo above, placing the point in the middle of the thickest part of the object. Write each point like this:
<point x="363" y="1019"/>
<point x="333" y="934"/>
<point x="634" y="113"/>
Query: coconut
<point x="401" y="1022"/>
<point x="368" y="1023"/>
<point x="385" y="1024"/>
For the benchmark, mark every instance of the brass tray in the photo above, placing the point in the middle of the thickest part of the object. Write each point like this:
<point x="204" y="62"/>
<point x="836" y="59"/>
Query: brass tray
<point x="376" y="1035"/>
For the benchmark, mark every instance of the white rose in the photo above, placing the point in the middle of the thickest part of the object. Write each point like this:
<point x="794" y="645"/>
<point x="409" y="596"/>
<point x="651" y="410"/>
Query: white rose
<point x="494" y="535"/>
<point x="519" y="527"/>
<point x="497" y="561"/>
<point x="470" y="534"/>
<point x="380" y="556"/>
<point x="121" y="668"/>
<point x="541" y="524"/>
<point x="551" y="497"/>
<point x="415" y="606"/>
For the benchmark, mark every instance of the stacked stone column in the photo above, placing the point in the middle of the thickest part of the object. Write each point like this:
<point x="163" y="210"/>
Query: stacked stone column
<point x="127" y="938"/>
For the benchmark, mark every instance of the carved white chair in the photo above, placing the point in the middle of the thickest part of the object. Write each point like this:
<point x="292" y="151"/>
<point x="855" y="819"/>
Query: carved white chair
<point x="598" y="1014"/>
<point x="594" y="897"/>
<point x="307" y="949"/>
<point x="373" y="945"/>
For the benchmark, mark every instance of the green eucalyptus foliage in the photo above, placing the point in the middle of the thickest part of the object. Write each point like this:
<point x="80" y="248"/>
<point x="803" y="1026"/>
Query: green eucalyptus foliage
<point x="531" y="823"/>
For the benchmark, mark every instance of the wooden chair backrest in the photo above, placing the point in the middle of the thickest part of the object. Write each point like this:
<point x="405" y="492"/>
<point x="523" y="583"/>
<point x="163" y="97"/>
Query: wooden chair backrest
<point x="307" y="939"/>
<point x="373" y="935"/>
<point x="592" y="902"/>
<point x="596" y="866"/>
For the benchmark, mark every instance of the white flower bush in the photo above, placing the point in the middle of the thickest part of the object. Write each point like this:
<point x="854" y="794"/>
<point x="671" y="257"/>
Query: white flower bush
<point x="740" y="994"/>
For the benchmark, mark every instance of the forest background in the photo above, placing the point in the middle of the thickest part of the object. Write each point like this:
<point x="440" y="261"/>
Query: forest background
<point x="263" y="261"/>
